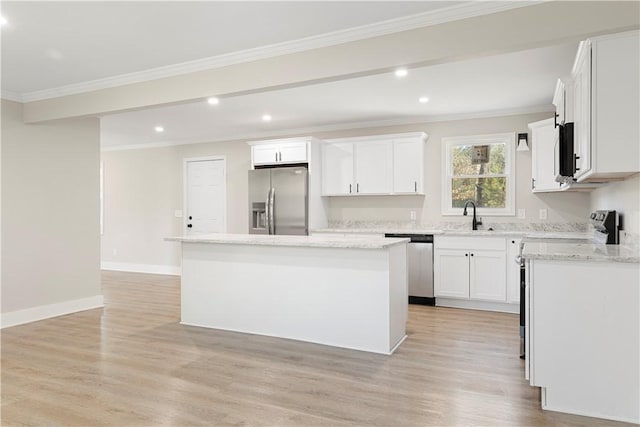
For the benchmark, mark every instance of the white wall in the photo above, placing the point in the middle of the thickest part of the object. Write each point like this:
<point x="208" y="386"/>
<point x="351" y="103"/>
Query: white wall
<point x="624" y="197"/>
<point x="50" y="223"/>
<point x="143" y="188"/>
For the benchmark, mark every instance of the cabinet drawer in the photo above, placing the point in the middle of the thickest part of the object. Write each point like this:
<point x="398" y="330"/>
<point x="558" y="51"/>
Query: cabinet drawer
<point x="465" y="242"/>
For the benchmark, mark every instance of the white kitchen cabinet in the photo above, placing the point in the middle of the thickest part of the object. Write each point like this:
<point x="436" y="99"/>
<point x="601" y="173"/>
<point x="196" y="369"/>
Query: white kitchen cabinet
<point x="373" y="165"/>
<point x="279" y="152"/>
<point x="583" y="337"/>
<point x="337" y="169"/>
<point x="606" y="107"/>
<point x="563" y="101"/>
<point x="513" y="270"/>
<point x="471" y="268"/>
<point x="451" y="273"/>
<point x="543" y="164"/>
<point x="408" y="163"/>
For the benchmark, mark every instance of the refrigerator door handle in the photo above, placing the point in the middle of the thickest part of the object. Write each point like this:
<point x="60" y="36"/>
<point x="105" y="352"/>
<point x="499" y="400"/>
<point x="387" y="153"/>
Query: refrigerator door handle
<point x="267" y="211"/>
<point x="273" y="210"/>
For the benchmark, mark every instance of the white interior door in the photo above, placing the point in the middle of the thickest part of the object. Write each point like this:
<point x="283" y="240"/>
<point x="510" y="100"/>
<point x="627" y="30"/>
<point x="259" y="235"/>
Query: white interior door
<point x="205" y="190"/>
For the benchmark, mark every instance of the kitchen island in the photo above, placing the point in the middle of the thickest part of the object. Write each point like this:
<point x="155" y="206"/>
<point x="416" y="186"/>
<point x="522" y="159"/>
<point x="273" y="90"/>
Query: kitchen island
<point x="346" y="292"/>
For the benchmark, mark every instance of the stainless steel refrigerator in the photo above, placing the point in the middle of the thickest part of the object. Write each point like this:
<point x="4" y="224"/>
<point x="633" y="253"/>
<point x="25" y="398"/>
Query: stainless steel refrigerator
<point x="278" y="202"/>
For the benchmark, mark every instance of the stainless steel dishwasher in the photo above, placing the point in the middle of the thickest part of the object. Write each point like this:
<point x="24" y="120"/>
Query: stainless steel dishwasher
<point x="419" y="267"/>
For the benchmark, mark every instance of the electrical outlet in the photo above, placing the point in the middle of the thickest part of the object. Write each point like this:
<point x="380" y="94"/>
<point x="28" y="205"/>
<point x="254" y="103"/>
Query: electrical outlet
<point x="522" y="213"/>
<point x="543" y="214"/>
<point x="115" y="252"/>
<point x="412" y="215"/>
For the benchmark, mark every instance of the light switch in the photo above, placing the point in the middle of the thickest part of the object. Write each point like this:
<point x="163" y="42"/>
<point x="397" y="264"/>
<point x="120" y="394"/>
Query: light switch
<point x="522" y="213"/>
<point x="543" y="214"/>
<point x="412" y="215"/>
<point x="177" y="213"/>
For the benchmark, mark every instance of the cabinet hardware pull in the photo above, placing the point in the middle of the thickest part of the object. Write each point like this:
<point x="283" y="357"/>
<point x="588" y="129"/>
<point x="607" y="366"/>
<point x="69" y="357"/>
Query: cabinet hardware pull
<point x="415" y="186"/>
<point x="357" y="188"/>
<point x="533" y="183"/>
<point x="555" y="121"/>
<point x="349" y="188"/>
<point x="276" y="156"/>
<point x="575" y="162"/>
<point x="471" y="254"/>
<point x="280" y="153"/>
<point x="466" y="254"/>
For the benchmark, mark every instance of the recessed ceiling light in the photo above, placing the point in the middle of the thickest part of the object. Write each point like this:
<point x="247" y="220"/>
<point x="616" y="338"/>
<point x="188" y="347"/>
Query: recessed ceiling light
<point x="266" y="118"/>
<point x="401" y="72"/>
<point x="423" y="100"/>
<point x="3" y="20"/>
<point x="159" y="129"/>
<point x="213" y="100"/>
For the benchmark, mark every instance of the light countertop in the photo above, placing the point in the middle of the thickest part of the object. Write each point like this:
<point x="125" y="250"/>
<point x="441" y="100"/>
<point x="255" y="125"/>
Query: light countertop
<point x="586" y="251"/>
<point x="460" y="232"/>
<point x="317" y="241"/>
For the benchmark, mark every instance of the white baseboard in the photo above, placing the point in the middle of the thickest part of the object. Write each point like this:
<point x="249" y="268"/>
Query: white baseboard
<point x="478" y="305"/>
<point x="41" y="312"/>
<point x="171" y="270"/>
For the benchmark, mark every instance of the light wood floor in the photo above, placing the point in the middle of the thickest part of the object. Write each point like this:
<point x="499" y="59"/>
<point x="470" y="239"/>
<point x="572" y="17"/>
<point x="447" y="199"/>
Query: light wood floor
<point x="132" y="363"/>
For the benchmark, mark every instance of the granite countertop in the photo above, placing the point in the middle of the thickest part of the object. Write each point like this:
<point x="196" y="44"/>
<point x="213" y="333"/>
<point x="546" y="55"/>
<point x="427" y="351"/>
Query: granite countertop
<point x="583" y="251"/>
<point x="353" y="242"/>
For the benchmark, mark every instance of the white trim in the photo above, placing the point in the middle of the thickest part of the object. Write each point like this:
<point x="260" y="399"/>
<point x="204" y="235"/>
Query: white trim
<point x="502" y="307"/>
<point x="507" y="138"/>
<point x="184" y="188"/>
<point x="41" y="312"/>
<point x="341" y="126"/>
<point x="417" y="135"/>
<point x="425" y="19"/>
<point x="11" y="96"/>
<point x="170" y="270"/>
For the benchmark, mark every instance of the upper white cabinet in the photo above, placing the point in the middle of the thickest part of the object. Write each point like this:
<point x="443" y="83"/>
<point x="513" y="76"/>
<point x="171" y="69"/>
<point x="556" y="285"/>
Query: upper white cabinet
<point x="563" y="101"/>
<point x="279" y="152"/>
<point x="543" y="163"/>
<point x="606" y="107"/>
<point x="408" y="164"/>
<point x="375" y="165"/>
<point x="337" y="168"/>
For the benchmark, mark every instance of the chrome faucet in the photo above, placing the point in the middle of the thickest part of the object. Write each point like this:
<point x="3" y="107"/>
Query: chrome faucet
<point x="475" y="223"/>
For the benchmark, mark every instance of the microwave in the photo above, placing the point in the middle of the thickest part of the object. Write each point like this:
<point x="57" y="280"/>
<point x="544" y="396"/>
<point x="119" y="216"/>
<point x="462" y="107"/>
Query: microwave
<point x="564" y="155"/>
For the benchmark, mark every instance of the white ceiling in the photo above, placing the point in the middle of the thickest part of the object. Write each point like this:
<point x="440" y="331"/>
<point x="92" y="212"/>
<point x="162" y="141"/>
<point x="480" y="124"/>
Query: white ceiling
<point x="53" y="44"/>
<point x="52" y="48"/>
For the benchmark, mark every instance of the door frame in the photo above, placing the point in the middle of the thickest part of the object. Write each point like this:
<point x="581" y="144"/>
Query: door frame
<point x="185" y="161"/>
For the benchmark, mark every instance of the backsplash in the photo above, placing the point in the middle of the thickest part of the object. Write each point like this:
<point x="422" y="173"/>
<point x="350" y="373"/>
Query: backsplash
<point x="458" y="225"/>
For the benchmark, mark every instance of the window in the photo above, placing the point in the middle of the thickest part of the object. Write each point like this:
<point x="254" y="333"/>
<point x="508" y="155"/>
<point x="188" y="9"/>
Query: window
<point x="479" y="168"/>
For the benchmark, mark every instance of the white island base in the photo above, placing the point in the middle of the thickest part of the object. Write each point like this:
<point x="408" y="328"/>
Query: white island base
<point x="342" y="292"/>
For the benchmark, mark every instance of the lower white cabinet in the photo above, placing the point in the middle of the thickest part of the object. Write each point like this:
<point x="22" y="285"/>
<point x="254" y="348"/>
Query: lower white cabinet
<point x="470" y="268"/>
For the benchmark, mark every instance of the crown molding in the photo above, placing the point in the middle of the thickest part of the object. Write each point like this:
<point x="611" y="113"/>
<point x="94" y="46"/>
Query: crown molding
<point x="342" y="126"/>
<point x="11" y="96"/>
<point x="448" y="14"/>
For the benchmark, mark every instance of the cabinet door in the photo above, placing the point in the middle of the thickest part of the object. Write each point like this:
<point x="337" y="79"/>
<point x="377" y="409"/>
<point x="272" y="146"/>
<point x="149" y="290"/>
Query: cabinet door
<point x="559" y="101"/>
<point x="337" y="169"/>
<point x="543" y="139"/>
<point x="513" y="271"/>
<point x="373" y="164"/>
<point x="294" y="152"/>
<point x="265" y="154"/>
<point x="451" y="273"/>
<point x="408" y="159"/>
<point x="487" y="275"/>
<point x="582" y="112"/>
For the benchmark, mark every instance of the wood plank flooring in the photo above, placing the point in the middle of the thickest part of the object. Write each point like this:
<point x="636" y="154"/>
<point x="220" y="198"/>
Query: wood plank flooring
<point x="133" y="364"/>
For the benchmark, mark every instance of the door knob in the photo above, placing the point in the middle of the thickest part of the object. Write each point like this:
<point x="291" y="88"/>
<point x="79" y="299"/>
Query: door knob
<point x="189" y="225"/>
<point x="190" y="217"/>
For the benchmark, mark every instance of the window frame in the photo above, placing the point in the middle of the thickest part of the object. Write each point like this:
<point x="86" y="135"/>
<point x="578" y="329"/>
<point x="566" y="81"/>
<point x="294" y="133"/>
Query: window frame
<point x="509" y="139"/>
